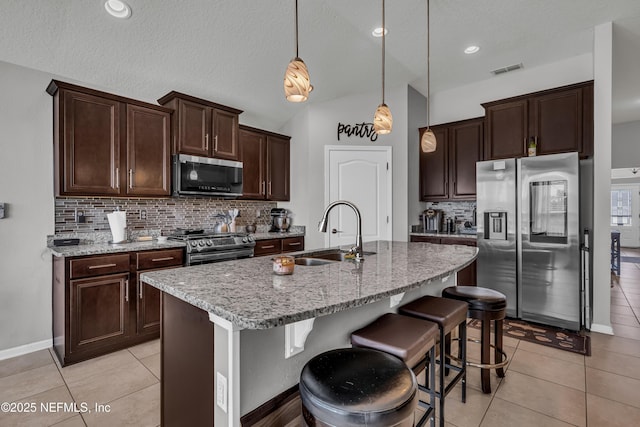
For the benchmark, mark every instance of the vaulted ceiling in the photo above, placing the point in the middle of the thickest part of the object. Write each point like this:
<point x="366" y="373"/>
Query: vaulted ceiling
<point x="234" y="52"/>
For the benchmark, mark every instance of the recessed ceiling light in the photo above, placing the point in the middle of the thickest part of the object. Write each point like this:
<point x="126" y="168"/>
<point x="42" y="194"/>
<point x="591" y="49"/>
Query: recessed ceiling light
<point x="117" y="8"/>
<point x="471" y="49"/>
<point x="378" y="32"/>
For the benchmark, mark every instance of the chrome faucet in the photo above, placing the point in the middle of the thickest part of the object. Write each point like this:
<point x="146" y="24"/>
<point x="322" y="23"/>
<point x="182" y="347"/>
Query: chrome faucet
<point x="322" y="226"/>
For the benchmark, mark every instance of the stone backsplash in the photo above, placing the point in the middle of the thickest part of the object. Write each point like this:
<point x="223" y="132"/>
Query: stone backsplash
<point x="462" y="211"/>
<point x="161" y="214"/>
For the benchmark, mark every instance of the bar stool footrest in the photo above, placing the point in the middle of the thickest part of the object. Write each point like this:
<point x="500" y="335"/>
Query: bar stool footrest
<point x="502" y="364"/>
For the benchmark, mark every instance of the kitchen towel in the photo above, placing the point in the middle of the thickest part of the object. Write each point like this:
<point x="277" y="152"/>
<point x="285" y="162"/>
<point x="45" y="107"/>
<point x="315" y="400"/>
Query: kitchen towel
<point x="118" y="224"/>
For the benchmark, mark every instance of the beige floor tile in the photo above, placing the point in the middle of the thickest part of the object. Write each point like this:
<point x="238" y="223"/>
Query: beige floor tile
<point x="139" y="409"/>
<point x="615" y="363"/>
<point x="614" y="343"/>
<point x="624" y="331"/>
<point x="623" y="319"/>
<point x="88" y="368"/>
<point x="619" y="388"/>
<point x="557" y="401"/>
<point x="39" y="415"/>
<point x="605" y="412"/>
<point x="145" y="349"/>
<point x="506" y="414"/>
<point x="28" y="383"/>
<point x="467" y="414"/>
<point x="548" y="368"/>
<point x="567" y="356"/>
<point x="619" y="301"/>
<point x="153" y="364"/>
<point x="71" y="422"/>
<point x="619" y="309"/>
<point x="111" y="384"/>
<point x="25" y="362"/>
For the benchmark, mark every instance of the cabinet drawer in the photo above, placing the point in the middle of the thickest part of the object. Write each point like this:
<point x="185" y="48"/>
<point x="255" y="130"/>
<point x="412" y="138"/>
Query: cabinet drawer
<point x="427" y="239"/>
<point x="268" y="247"/>
<point x="292" y="244"/>
<point x="458" y="241"/>
<point x="99" y="265"/>
<point x="158" y="259"/>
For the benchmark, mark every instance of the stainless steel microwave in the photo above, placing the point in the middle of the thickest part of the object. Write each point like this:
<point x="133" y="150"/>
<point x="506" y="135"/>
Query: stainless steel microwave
<point x="204" y="176"/>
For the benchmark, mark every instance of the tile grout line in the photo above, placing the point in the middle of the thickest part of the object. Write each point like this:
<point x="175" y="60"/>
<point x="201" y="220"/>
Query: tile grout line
<point x="59" y="368"/>
<point x="145" y="366"/>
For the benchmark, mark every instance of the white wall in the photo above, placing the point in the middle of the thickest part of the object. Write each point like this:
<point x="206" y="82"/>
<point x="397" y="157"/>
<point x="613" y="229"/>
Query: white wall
<point x="26" y="186"/>
<point x="625" y="141"/>
<point x="320" y="129"/>
<point x="417" y="119"/>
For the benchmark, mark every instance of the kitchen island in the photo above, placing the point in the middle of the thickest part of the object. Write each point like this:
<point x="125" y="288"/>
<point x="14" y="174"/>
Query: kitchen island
<point x="265" y="327"/>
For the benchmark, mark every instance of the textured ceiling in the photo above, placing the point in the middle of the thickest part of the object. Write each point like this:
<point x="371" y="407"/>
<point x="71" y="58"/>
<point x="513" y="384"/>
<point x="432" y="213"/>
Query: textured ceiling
<point x="235" y="51"/>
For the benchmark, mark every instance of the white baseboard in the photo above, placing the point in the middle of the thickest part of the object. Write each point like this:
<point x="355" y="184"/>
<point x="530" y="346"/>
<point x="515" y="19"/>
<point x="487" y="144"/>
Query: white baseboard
<point x="603" y="329"/>
<point x="24" y="349"/>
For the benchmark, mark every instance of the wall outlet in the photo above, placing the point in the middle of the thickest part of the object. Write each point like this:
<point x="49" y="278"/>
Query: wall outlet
<point x="221" y="391"/>
<point x="143" y="214"/>
<point x="80" y="217"/>
<point x="258" y="211"/>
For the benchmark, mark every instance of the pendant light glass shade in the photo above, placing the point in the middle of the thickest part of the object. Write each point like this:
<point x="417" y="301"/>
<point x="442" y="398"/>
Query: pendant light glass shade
<point x="297" y="84"/>
<point x="382" y="120"/>
<point x="428" y="142"/>
<point x="296" y="81"/>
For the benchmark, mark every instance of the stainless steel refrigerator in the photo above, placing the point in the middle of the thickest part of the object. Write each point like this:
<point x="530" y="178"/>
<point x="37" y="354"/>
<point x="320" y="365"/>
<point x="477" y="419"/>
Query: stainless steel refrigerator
<point x="528" y="236"/>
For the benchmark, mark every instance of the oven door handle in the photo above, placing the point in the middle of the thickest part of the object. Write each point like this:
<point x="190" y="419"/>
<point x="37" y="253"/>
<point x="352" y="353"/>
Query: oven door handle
<point x="203" y="258"/>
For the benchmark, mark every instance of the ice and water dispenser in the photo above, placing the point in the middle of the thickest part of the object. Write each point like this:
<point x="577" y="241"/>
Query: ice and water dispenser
<point x="495" y="225"/>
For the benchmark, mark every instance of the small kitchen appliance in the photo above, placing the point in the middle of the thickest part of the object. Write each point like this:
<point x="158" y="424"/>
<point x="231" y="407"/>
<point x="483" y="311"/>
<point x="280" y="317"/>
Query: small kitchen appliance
<point x="431" y="221"/>
<point x="280" y="220"/>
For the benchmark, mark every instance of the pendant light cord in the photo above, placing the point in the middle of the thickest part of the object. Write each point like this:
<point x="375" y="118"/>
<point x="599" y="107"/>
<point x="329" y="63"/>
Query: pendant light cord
<point x="428" y="66"/>
<point x="296" y="28"/>
<point x="384" y="30"/>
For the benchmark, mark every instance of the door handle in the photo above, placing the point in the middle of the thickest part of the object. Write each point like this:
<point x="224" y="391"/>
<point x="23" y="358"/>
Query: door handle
<point x="130" y="178"/>
<point x="334" y="231"/>
<point x="141" y="285"/>
<point x="126" y="290"/>
<point x="117" y="177"/>
<point x="215" y="143"/>
<point x="206" y="141"/>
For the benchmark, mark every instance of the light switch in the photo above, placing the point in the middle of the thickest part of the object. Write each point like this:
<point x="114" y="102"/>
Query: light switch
<point x="1" y="210"/>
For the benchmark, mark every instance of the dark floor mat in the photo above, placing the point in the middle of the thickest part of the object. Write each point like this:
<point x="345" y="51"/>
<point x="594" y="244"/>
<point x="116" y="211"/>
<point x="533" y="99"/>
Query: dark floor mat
<point x="545" y="335"/>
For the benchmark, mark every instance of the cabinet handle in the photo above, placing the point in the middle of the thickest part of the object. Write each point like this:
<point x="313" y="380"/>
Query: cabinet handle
<point x="263" y="188"/>
<point x="295" y="244"/>
<point x="455" y="187"/>
<point x="206" y="141"/>
<point x="117" y="177"/>
<point x="130" y="178"/>
<point x="269" y="187"/>
<point x="141" y="286"/>
<point x="526" y="150"/>
<point x="167" y="258"/>
<point x="215" y="143"/>
<point x="267" y="247"/>
<point x="91" y="267"/>
<point x="446" y="187"/>
<point x="126" y="290"/>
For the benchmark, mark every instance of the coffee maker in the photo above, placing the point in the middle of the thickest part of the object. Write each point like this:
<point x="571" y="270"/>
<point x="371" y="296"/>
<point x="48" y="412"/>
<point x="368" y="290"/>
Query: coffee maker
<point x="431" y="221"/>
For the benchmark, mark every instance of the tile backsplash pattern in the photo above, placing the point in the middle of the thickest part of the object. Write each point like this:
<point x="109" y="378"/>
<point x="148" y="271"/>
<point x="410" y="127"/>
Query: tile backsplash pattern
<point x="462" y="211"/>
<point x="163" y="214"/>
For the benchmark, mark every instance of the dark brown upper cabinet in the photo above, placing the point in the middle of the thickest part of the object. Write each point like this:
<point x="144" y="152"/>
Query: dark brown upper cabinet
<point x="561" y="120"/>
<point x="266" y="164"/>
<point x="203" y="128"/>
<point x="107" y="145"/>
<point x="449" y="173"/>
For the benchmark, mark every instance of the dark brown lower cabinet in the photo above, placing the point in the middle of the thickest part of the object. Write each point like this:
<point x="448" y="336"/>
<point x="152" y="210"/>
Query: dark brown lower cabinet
<point x="186" y="365"/>
<point x="278" y="246"/>
<point x="465" y="277"/>
<point x="100" y="305"/>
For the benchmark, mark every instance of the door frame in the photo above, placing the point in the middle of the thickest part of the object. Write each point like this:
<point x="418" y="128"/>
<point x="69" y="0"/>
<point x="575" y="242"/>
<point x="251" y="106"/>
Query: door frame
<point x="361" y="148"/>
<point x="635" y="213"/>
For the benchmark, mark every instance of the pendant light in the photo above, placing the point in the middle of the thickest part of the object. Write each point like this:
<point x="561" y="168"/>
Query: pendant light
<point x="428" y="141"/>
<point x="382" y="120"/>
<point x="296" y="79"/>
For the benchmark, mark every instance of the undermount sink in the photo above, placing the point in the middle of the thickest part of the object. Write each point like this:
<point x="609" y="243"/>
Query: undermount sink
<point x="311" y="261"/>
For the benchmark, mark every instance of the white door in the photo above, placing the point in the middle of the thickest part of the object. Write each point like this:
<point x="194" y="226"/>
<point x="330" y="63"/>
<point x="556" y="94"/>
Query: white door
<point x="625" y="213"/>
<point x="361" y="175"/>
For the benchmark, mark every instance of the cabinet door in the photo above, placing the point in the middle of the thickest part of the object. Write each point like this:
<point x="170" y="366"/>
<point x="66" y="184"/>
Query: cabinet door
<point x="99" y="314"/>
<point x="292" y="244"/>
<point x="467" y="276"/>
<point x="148" y="139"/>
<point x="267" y="247"/>
<point x="426" y="239"/>
<point x="434" y="168"/>
<point x="148" y="308"/>
<point x="465" y="147"/>
<point x="89" y="161"/>
<point x="253" y="147"/>
<point x="277" y="168"/>
<point x="587" y="121"/>
<point x="506" y="130"/>
<point x="556" y="121"/>
<point x="194" y="124"/>
<point x="225" y="131"/>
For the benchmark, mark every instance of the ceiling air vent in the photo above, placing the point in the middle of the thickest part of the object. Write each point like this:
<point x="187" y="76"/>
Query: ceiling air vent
<point x="507" y="69"/>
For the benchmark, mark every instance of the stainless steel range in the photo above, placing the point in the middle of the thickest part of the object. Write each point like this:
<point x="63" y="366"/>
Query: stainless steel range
<point x="205" y="248"/>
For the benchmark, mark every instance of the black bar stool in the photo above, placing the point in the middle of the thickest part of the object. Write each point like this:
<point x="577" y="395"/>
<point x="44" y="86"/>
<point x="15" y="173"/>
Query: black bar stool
<point x="357" y="387"/>
<point x="410" y="339"/>
<point x="485" y="305"/>
<point x="447" y="314"/>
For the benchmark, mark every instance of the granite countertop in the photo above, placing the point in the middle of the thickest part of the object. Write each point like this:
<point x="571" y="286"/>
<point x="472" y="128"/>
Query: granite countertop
<point x="248" y="294"/>
<point x="445" y="234"/>
<point x="107" y="248"/>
